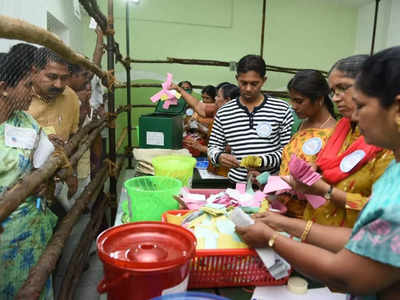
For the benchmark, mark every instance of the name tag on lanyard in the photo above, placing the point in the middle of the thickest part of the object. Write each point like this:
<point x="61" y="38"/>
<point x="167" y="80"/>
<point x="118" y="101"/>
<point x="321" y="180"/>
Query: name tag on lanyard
<point x="17" y="137"/>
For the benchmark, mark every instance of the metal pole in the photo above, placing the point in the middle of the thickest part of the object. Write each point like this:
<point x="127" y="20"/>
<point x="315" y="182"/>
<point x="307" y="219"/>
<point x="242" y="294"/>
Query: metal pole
<point x="263" y="28"/>
<point x="128" y="89"/>
<point x="374" y="30"/>
<point x="111" y="95"/>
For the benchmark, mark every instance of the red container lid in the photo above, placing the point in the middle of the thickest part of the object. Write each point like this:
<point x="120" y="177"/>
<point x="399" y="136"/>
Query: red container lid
<point x="146" y="246"/>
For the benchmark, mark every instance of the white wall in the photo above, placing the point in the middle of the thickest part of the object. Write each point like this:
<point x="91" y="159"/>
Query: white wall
<point x="36" y="12"/>
<point x="388" y="26"/>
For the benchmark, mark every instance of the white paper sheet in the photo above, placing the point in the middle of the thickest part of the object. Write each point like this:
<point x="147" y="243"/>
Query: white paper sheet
<point x="204" y="174"/>
<point x="44" y="150"/>
<point x="92" y="24"/>
<point x="281" y="292"/>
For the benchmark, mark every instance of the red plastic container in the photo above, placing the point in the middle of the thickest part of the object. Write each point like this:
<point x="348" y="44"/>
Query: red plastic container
<point x="226" y="267"/>
<point x="143" y="260"/>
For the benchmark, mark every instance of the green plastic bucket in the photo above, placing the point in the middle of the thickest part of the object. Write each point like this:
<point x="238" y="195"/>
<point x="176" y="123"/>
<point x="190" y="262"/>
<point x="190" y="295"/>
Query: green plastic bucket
<point x="150" y="197"/>
<point x="175" y="166"/>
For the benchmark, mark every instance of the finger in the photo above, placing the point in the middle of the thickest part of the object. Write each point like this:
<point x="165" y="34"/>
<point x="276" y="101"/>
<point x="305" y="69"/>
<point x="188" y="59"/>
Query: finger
<point x="288" y="180"/>
<point x="240" y="229"/>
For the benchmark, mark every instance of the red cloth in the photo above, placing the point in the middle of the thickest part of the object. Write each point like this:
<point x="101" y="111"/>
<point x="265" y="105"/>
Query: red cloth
<point x="328" y="159"/>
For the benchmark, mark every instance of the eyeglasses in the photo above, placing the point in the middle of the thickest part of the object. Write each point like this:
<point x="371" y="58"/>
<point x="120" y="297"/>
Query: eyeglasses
<point x="339" y="90"/>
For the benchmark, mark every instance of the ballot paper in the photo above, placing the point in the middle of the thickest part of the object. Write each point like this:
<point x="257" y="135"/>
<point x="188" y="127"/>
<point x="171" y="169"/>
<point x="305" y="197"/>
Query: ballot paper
<point x="276" y="265"/>
<point x="44" y="149"/>
<point x="282" y="292"/>
<point x="92" y="24"/>
<point x="277" y="184"/>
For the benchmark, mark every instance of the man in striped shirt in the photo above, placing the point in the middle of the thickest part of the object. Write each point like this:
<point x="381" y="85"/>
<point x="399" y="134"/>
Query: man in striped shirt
<point x="253" y="124"/>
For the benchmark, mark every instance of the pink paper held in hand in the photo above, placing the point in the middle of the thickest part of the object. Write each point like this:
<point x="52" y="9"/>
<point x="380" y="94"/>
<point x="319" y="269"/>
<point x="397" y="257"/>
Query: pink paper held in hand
<point x="169" y="97"/>
<point x="302" y="171"/>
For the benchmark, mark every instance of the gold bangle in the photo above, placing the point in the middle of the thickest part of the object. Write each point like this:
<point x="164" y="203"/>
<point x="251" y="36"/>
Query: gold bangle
<point x="271" y="241"/>
<point x="306" y="231"/>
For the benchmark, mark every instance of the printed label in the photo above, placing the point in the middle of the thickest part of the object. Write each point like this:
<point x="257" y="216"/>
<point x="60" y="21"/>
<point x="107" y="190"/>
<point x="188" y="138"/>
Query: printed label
<point x="155" y="138"/>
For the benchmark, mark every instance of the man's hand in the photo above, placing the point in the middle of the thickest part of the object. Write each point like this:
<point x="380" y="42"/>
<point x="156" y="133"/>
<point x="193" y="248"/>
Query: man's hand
<point x="228" y="160"/>
<point x="57" y="141"/>
<point x="100" y="111"/>
<point x="72" y="183"/>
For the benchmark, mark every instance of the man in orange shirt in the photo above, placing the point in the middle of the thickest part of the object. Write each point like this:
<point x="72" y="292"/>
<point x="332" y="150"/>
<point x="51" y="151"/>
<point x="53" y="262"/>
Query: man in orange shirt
<point x="55" y="106"/>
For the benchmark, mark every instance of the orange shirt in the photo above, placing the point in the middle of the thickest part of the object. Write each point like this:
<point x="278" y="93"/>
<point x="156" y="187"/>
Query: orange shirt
<point x="60" y="116"/>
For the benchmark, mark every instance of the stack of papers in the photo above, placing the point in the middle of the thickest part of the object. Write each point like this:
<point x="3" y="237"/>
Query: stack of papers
<point x="170" y="97"/>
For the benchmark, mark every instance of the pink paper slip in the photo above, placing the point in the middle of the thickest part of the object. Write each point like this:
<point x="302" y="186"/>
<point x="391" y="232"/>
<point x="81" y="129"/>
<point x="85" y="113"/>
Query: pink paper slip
<point x="241" y="187"/>
<point x="165" y="94"/>
<point x="302" y="171"/>
<point x="276" y="183"/>
<point x="315" y="201"/>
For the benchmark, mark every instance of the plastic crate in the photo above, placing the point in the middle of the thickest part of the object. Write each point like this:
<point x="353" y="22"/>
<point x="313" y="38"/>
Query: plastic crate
<point x="226" y="267"/>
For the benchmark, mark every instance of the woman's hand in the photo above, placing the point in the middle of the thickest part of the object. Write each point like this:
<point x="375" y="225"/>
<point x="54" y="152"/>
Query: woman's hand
<point x="173" y="86"/>
<point x="256" y="235"/>
<point x="320" y="187"/>
<point x="273" y="220"/>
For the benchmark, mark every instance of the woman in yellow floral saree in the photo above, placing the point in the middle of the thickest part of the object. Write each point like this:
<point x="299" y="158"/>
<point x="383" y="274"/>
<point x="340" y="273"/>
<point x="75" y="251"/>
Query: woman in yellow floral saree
<point x="309" y="94"/>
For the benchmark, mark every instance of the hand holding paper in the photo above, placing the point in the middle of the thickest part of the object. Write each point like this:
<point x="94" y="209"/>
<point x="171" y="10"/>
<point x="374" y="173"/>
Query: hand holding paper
<point x="302" y="171"/>
<point x="278" y="184"/>
<point x="170" y="97"/>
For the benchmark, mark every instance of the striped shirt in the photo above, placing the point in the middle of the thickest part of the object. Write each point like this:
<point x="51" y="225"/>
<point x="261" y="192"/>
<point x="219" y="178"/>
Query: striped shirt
<point x="248" y="133"/>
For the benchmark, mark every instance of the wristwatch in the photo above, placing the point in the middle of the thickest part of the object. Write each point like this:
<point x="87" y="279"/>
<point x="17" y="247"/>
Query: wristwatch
<point x="328" y="194"/>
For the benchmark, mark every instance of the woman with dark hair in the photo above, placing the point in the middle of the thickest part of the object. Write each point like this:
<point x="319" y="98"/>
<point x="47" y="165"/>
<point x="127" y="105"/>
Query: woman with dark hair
<point x="186" y="85"/>
<point x="363" y="261"/>
<point x="348" y="165"/>
<point x="28" y="229"/>
<point x="208" y="94"/>
<point x="225" y="93"/>
<point x="309" y="95"/>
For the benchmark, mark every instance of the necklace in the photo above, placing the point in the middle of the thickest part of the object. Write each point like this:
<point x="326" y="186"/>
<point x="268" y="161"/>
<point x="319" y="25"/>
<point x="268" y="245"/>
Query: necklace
<point x="320" y="126"/>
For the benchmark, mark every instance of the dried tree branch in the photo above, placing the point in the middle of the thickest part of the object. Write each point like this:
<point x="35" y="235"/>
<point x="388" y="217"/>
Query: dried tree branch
<point x="217" y="63"/>
<point x="11" y="28"/>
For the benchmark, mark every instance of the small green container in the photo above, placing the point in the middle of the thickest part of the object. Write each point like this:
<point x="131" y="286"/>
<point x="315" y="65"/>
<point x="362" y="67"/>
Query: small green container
<point x="150" y="197"/>
<point x="176" y="166"/>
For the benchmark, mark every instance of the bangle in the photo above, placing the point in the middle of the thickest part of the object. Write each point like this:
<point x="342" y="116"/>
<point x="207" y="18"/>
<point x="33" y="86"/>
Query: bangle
<point x="306" y="231"/>
<point x="271" y="241"/>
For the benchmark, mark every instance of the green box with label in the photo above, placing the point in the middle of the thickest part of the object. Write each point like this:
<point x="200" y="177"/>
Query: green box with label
<point x="163" y="128"/>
